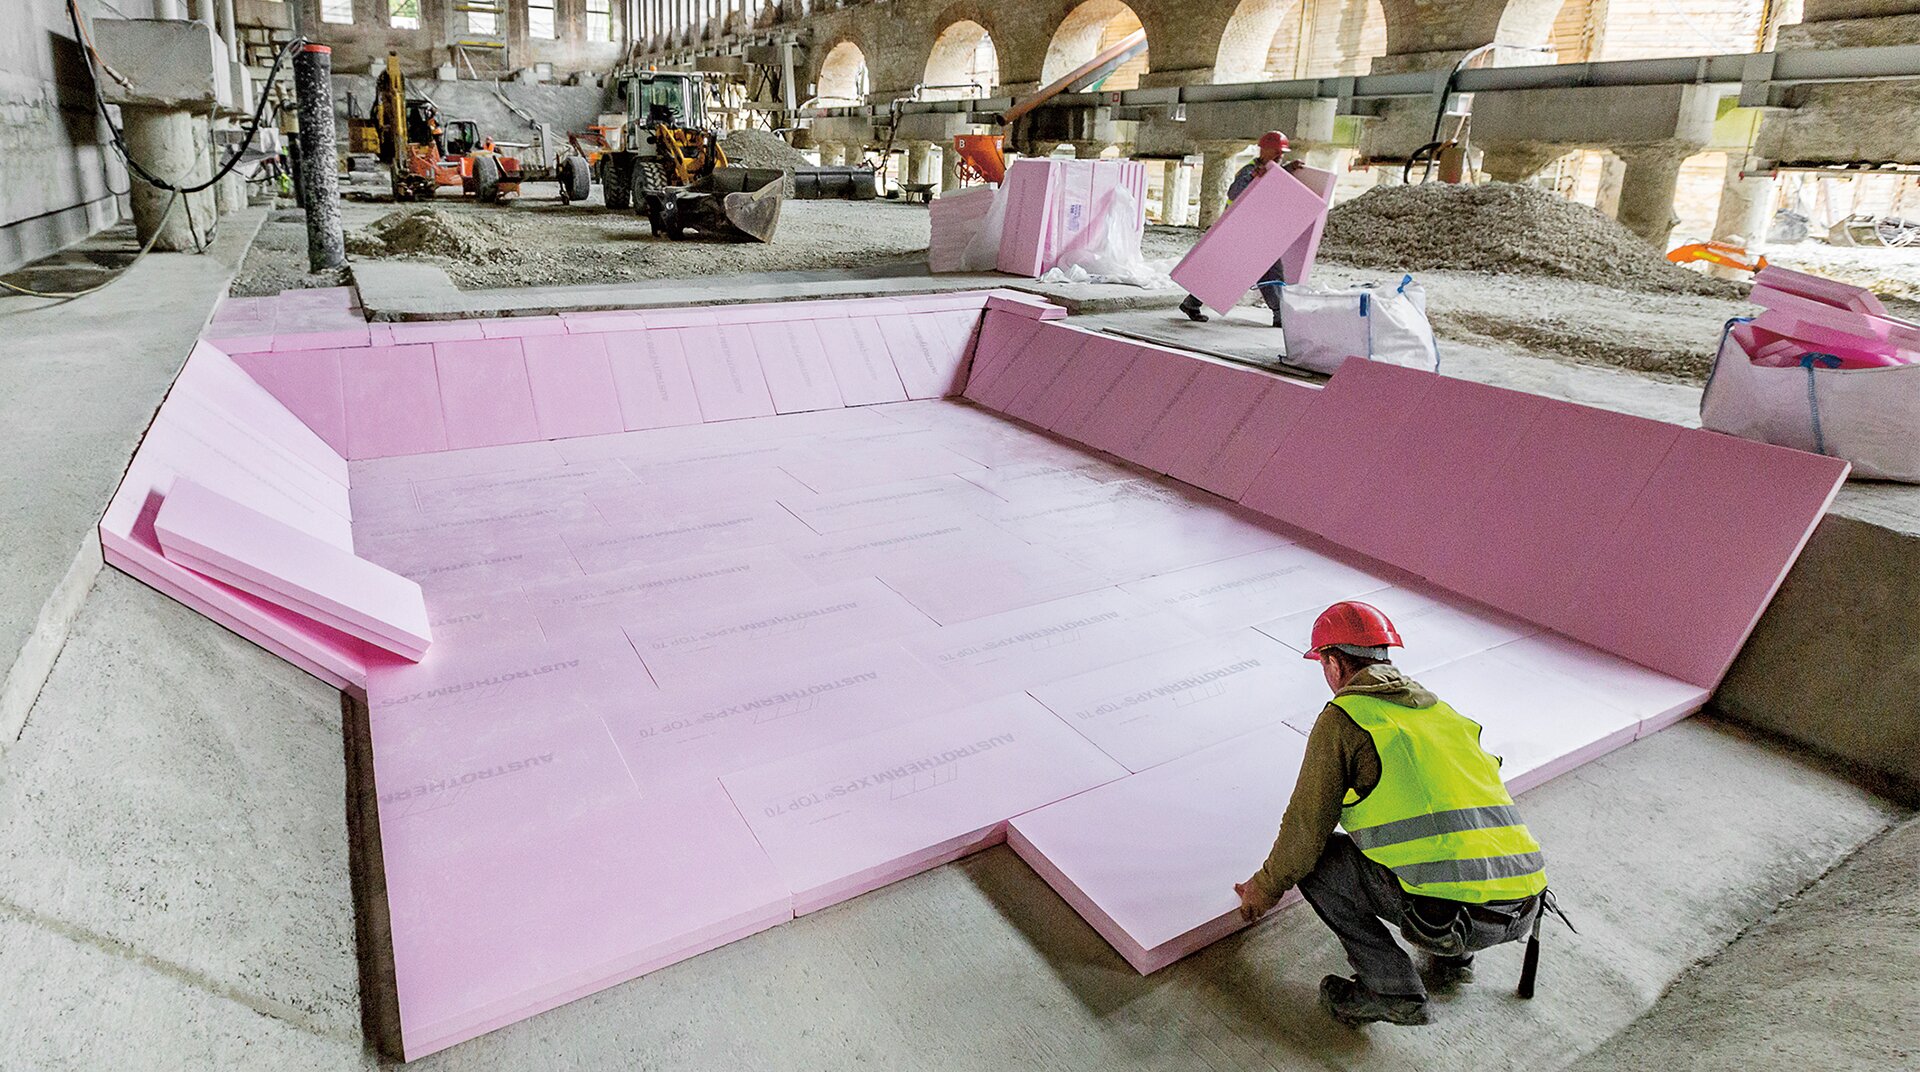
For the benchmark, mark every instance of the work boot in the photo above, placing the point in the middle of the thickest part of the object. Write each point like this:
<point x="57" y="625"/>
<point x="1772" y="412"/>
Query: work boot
<point x="1351" y="1003"/>
<point x="1191" y="307"/>
<point x="1447" y="973"/>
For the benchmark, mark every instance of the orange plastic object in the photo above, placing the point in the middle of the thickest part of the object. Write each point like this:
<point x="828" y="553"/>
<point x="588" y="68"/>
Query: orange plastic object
<point x="1720" y="253"/>
<point x="980" y="157"/>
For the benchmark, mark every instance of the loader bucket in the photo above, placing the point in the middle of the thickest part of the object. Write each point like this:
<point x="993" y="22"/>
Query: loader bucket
<point x="756" y="214"/>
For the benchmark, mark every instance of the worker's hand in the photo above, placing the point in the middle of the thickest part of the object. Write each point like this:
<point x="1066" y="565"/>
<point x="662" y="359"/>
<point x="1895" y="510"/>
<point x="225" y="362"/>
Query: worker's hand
<point x="1294" y="165"/>
<point x="1253" y="902"/>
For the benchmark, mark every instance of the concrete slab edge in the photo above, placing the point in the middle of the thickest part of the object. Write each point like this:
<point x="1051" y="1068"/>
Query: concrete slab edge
<point x="31" y="667"/>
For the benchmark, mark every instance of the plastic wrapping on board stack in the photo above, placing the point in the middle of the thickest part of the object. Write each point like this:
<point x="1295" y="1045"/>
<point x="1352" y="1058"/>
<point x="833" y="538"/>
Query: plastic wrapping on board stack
<point x="1822" y="369"/>
<point x="1048" y="214"/>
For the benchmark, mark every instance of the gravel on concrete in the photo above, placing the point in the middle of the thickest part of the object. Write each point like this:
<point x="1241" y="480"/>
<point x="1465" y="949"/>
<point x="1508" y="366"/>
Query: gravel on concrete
<point x="535" y="241"/>
<point x="763" y="149"/>
<point x="277" y="260"/>
<point x="1501" y="227"/>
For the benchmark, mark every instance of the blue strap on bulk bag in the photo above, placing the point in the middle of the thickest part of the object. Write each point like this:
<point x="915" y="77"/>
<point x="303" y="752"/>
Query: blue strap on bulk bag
<point x="1811" y="362"/>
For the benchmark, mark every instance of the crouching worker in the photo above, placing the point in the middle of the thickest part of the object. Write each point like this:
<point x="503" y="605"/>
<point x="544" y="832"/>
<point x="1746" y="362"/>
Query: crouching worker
<point x="1273" y="146"/>
<point x="1433" y="845"/>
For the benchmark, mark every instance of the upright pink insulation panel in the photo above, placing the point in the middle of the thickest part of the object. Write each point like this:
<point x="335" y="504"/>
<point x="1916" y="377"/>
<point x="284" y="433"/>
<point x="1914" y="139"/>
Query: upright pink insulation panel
<point x="1274" y="212"/>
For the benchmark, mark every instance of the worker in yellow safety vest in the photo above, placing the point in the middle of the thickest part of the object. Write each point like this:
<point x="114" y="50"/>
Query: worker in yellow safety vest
<point x="1432" y="845"/>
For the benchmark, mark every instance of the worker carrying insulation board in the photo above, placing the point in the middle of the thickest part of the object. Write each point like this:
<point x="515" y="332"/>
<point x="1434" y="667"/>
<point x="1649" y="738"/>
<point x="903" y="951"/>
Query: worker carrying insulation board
<point x="1432" y="843"/>
<point x="1273" y="145"/>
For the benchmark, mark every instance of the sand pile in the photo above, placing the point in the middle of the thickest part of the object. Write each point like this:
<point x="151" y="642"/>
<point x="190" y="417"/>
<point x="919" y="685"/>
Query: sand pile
<point x="763" y="149"/>
<point x="1501" y="227"/>
<point x="426" y="232"/>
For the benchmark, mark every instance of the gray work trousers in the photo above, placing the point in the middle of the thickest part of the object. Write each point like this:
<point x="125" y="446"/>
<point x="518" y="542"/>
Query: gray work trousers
<point x="1353" y="894"/>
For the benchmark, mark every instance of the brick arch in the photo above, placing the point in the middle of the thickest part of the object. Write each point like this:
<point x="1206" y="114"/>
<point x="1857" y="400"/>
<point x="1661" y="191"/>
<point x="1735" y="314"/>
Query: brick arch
<point x="1087" y="29"/>
<point x="950" y="53"/>
<point x="835" y="69"/>
<point x="1417" y="25"/>
<point x="1282" y="39"/>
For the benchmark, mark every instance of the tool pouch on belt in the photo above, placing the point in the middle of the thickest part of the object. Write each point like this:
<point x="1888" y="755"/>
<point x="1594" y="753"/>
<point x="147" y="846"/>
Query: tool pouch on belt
<point x="1437" y="926"/>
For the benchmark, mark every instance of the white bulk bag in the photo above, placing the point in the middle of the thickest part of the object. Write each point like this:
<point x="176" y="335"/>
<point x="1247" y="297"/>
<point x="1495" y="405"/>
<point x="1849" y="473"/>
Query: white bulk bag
<point x="1324" y="326"/>
<point x="1868" y="416"/>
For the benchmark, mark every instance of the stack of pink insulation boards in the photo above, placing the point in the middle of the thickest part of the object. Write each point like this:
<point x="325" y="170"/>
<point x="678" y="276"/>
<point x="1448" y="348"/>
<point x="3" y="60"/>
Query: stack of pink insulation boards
<point x="756" y="651"/>
<point x="1055" y="210"/>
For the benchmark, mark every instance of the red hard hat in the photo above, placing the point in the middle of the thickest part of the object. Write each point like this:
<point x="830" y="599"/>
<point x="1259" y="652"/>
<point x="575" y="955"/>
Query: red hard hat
<point x="1273" y="142"/>
<point x="1362" y="625"/>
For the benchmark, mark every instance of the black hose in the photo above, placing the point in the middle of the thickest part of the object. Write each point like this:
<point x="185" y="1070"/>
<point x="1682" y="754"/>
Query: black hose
<point x="119" y="143"/>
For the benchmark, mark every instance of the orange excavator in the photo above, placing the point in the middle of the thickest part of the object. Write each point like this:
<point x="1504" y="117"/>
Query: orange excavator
<point x="983" y="156"/>
<point x="1724" y="254"/>
<point x="426" y="153"/>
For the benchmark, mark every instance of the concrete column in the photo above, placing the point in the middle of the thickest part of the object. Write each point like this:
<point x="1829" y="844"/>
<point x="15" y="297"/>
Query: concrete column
<point x="163" y="142"/>
<point x="916" y="169"/>
<point x="1646" y="193"/>
<point x="831" y="154"/>
<point x="228" y="33"/>
<point x="320" y="162"/>
<point x="949" y="169"/>
<point x="206" y="203"/>
<point x="1746" y="205"/>
<point x="1088" y="150"/>
<point x="1177" y="193"/>
<point x="207" y="11"/>
<point x="1216" y="174"/>
<point x="1606" y="196"/>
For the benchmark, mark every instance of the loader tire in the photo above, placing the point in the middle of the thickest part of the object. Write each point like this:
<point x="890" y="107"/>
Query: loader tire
<point x="616" y="182"/>
<point x="649" y="178"/>
<point x="576" y="180"/>
<point x="486" y="179"/>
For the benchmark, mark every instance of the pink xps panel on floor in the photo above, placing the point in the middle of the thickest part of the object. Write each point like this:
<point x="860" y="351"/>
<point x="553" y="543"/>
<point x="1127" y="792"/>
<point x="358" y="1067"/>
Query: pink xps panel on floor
<point x="849" y="818"/>
<point x="1206" y="820"/>
<point x="724" y="626"/>
<point x="213" y="535"/>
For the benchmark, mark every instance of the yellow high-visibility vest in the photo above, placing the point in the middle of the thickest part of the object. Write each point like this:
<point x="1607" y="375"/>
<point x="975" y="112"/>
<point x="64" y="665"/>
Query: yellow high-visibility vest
<point x="1441" y="819"/>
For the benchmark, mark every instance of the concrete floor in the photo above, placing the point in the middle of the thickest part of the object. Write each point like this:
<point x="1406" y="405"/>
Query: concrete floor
<point x="176" y="866"/>
<point x="79" y="383"/>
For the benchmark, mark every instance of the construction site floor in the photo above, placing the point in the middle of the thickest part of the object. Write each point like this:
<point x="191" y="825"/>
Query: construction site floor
<point x="177" y="888"/>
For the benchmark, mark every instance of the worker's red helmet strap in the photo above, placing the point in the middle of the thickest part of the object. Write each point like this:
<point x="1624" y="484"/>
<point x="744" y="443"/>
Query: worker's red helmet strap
<point x="1362" y="625"/>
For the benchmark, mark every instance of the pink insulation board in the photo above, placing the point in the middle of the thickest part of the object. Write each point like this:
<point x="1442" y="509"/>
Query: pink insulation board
<point x="1560" y="490"/>
<point x="794" y="361"/>
<point x="1297" y="261"/>
<point x="309" y="384"/>
<point x="484" y="393"/>
<point x="393" y="401"/>
<point x="651" y="379"/>
<point x="1206" y="820"/>
<point x="1270" y="215"/>
<point x="572" y="384"/>
<point x="1354" y="418"/>
<point x="816" y="593"/>
<point x="851" y="817"/>
<point x="236" y="545"/>
<point x="481" y="818"/>
<point x="862" y="365"/>
<point x="1729" y="517"/>
<point x="726" y="373"/>
<point x="1160" y="707"/>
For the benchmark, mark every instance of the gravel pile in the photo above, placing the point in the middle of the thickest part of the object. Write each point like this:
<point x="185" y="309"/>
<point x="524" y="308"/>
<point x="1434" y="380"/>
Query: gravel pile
<point x="427" y="232"/>
<point x="763" y="149"/>
<point x="1501" y="228"/>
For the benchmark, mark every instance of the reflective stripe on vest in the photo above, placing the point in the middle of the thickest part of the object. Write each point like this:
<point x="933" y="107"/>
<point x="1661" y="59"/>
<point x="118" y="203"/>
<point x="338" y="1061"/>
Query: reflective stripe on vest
<point x="1440" y="818"/>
